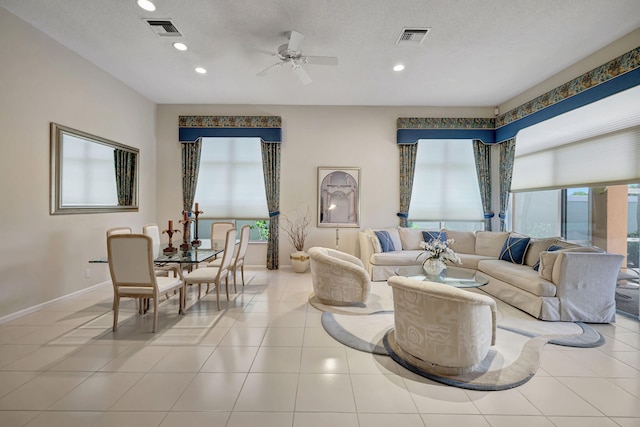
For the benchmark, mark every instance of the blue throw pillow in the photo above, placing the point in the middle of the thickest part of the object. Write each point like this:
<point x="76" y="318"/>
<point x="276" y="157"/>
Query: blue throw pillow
<point x="514" y="249"/>
<point x="551" y="248"/>
<point x="434" y="235"/>
<point x="385" y="241"/>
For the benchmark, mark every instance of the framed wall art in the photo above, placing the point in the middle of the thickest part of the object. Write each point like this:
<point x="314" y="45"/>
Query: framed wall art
<point x="338" y="197"/>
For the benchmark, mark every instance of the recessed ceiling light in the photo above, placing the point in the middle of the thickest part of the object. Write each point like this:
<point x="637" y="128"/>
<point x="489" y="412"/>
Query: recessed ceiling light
<point x="180" y="46"/>
<point x="147" y="5"/>
<point x="398" y="67"/>
<point x="201" y="70"/>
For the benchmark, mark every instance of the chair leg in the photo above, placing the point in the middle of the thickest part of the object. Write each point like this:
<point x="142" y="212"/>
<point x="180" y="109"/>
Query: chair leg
<point x="116" y="308"/>
<point x="242" y="273"/>
<point x="155" y="314"/>
<point x="235" y="289"/>
<point x="199" y="289"/>
<point x="226" y="286"/>
<point x="218" y="295"/>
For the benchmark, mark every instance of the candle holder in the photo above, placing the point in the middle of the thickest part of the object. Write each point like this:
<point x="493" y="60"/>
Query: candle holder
<point x="170" y="249"/>
<point x="185" y="232"/>
<point x="196" y="242"/>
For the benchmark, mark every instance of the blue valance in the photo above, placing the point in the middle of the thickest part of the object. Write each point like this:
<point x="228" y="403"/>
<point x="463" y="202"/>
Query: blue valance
<point x="268" y="128"/>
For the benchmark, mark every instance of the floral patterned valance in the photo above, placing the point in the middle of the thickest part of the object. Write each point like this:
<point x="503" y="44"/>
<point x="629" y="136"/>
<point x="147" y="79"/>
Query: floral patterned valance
<point x="268" y="128"/>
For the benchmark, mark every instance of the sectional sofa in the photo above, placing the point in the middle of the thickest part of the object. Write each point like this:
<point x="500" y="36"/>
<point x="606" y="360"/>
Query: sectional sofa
<point x="548" y="278"/>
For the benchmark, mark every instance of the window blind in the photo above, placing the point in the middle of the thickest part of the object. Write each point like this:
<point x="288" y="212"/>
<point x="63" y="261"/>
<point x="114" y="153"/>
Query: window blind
<point x="230" y="179"/>
<point x="445" y="185"/>
<point x="596" y="145"/>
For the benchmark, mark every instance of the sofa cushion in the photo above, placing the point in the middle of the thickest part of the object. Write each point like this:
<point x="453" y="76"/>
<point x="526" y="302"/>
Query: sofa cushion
<point x="396" y="258"/>
<point x="377" y="248"/>
<point x="489" y="243"/>
<point x="386" y="244"/>
<point x="520" y="276"/>
<point x="410" y="238"/>
<point x="551" y="248"/>
<point x="471" y="260"/>
<point x="537" y="245"/>
<point x="464" y="242"/>
<point x="548" y="259"/>
<point x="514" y="249"/>
<point x="393" y="233"/>
<point x="429" y="236"/>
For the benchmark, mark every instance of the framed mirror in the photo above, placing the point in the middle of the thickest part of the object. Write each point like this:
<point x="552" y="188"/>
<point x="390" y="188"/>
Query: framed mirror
<point x="90" y="174"/>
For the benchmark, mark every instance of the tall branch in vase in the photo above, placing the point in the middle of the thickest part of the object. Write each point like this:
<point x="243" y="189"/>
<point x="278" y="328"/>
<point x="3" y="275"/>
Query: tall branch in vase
<point x="297" y="230"/>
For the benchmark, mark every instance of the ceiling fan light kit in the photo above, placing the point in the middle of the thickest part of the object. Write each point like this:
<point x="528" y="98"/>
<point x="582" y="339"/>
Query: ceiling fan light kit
<point x="291" y="55"/>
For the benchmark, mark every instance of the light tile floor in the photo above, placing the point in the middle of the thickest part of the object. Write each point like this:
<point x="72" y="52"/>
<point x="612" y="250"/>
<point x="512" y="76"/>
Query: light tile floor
<point x="265" y="360"/>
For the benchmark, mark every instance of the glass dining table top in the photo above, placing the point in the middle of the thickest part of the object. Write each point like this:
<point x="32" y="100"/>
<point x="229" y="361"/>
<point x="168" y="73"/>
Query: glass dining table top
<point x="208" y="249"/>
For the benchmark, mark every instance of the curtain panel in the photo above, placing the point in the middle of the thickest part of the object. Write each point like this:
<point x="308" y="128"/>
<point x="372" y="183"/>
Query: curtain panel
<point x="271" y="170"/>
<point x="125" y="166"/>
<point x="482" y="154"/>
<point x="407" y="171"/>
<point x="507" y="152"/>
<point x="190" y="168"/>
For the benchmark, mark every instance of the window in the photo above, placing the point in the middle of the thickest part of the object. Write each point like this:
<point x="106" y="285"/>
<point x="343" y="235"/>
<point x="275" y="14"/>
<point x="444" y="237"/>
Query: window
<point x="231" y="185"/>
<point x="606" y="217"/>
<point x="445" y="185"/>
<point x="230" y="179"/>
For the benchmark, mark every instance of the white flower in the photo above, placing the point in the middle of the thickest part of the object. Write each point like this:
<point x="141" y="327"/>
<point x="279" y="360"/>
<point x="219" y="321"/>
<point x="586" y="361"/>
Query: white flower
<point x="437" y="249"/>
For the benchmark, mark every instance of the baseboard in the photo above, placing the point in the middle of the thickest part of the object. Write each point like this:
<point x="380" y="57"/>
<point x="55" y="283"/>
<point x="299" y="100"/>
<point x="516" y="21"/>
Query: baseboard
<point x="35" y="308"/>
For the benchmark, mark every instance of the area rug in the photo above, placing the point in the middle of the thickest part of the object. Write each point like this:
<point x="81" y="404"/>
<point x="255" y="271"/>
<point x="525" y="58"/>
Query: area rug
<point x="511" y="362"/>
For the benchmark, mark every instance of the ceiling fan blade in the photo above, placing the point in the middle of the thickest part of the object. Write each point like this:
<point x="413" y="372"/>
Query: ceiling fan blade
<point x="321" y="60"/>
<point x="295" y="41"/>
<point x="269" y="68"/>
<point x="301" y="73"/>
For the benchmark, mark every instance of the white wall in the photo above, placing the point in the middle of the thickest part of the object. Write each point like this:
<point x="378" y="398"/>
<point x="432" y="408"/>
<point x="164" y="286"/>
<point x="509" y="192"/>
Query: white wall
<point x="313" y="136"/>
<point x="43" y="257"/>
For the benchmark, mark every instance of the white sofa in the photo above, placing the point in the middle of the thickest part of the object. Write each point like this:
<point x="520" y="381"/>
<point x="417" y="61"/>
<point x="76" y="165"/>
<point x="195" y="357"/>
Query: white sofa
<point x="572" y="283"/>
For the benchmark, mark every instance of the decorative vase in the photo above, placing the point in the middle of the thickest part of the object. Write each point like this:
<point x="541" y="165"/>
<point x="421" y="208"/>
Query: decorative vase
<point x="299" y="261"/>
<point x="434" y="267"/>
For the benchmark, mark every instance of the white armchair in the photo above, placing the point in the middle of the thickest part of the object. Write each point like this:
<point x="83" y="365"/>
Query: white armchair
<point x="439" y="328"/>
<point x="338" y="278"/>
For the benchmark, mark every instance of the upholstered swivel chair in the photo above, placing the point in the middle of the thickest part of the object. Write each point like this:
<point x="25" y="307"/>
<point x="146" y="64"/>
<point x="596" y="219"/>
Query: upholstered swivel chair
<point x="132" y="273"/>
<point x="439" y="328"/>
<point x="238" y="259"/>
<point x="338" y="278"/>
<point x="215" y="275"/>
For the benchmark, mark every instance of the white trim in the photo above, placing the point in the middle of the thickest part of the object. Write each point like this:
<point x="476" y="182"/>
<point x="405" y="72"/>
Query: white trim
<point x="35" y="308"/>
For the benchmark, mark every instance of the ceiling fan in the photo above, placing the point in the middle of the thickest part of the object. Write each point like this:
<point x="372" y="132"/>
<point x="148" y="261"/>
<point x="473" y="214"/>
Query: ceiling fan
<point x="290" y="54"/>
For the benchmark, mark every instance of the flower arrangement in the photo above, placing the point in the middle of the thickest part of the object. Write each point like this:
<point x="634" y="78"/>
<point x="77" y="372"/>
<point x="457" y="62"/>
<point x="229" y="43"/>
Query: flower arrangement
<point x="438" y="250"/>
<point x="297" y="230"/>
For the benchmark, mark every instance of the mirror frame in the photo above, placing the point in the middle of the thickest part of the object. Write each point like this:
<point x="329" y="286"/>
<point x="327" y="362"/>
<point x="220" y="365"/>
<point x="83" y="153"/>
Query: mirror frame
<point x="57" y="132"/>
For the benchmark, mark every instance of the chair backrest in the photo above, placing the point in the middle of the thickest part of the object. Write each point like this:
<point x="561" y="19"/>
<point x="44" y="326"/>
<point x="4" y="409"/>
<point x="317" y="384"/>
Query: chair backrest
<point x="229" y="244"/>
<point x="119" y="230"/>
<point x="131" y="260"/>
<point x="245" y="231"/>
<point x="153" y="231"/>
<point x="219" y="229"/>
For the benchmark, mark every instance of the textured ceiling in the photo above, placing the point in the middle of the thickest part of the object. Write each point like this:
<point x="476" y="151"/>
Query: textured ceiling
<point x="478" y="52"/>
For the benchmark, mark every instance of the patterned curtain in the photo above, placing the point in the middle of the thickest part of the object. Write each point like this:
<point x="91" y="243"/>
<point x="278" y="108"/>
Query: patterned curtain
<point x="271" y="170"/>
<point x="125" y="165"/>
<point x="407" y="170"/>
<point x="482" y="154"/>
<point x="507" y="151"/>
<point x="190" y="167"/>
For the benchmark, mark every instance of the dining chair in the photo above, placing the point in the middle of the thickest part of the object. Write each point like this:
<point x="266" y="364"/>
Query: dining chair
<point x="215" y="275"/>
<point x="132" y="274"/>
<point x="219" y="233"/>
<point x="238" y="259"/>
<point x="119" y="230"/>
<point x="163" y="268"/>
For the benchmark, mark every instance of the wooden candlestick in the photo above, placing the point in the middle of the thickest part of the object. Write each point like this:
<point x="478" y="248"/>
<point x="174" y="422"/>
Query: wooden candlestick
<point x="170" y="231"/>
<point x="196" y="242"/>
<point x="185" y="231"/>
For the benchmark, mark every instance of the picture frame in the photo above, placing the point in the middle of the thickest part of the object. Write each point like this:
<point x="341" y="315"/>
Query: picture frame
<point x="339" y="197"/>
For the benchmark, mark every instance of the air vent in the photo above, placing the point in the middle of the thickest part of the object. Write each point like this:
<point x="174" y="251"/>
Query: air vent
<point x="163" y="27"/>
<point x="412" y="36"/>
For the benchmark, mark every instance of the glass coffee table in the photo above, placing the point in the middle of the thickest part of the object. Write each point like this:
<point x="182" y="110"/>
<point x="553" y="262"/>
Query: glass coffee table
<point x="452" y="276"/>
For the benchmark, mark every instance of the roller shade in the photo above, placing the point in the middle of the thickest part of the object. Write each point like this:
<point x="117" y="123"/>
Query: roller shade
<point x="596" y="145"/>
